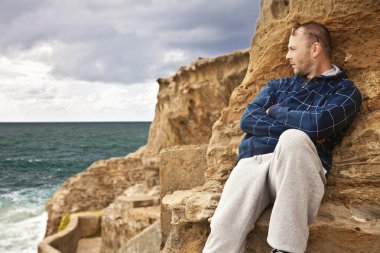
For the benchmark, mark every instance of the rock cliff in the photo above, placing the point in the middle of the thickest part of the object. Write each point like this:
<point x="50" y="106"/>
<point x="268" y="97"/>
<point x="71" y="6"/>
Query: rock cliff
<point x="188" y="104"/>
<point x="349" y="217"/>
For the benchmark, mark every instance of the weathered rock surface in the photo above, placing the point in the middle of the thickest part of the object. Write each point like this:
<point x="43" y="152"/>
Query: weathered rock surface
<point x="148" y="241"/>
<point x="349" y="216"/>
<point x="181" y="168"/>
<point x="188" y="104"/>
<point x="187" y="238"/>
<point x="127" y="216"/>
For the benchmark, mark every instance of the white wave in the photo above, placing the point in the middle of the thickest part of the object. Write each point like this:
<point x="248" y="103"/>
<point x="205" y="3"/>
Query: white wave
<point x="23" y="219"/>
<point x="24" y="235"/>
<point x="15" y="159"/>
<point x="35" y="160"/>
<point x="27" y="195"/>
<point x="23" y="159"/>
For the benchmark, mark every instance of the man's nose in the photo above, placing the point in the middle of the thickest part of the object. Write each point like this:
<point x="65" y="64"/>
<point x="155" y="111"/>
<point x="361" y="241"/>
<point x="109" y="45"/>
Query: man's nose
<point x="287" y="56"/>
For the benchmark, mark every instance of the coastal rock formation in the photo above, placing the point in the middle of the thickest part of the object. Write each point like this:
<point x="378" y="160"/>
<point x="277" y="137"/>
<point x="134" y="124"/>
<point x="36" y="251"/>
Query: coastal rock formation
<point x="95" y="188"/>
<point x="349" y="215"/>
<point x="188" y="104"/>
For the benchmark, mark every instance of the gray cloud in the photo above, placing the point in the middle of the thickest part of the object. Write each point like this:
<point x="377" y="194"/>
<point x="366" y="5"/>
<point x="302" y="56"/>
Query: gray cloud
<point x="125" y="41"/>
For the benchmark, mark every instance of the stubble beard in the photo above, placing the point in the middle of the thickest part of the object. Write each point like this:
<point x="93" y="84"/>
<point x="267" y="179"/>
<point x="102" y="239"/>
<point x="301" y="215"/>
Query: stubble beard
<point x="302" y="69"/>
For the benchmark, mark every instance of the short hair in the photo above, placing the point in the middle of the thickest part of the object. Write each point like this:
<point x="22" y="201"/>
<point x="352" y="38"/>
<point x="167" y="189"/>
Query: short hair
<point x="315" y="30"/>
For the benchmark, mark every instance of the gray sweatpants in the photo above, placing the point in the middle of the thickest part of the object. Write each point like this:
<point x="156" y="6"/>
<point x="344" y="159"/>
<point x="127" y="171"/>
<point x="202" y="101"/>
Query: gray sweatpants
<point x="292" y="178"/>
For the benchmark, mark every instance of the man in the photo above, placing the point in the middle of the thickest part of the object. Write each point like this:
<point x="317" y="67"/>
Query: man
<point x="290" y="130"/>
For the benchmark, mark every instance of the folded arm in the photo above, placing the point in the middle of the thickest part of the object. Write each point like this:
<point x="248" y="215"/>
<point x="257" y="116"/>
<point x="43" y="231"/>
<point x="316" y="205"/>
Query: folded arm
<point x="336" y="114"/>
<point x="255" y="119"/>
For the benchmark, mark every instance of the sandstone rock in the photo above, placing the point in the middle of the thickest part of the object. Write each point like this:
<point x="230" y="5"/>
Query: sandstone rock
<point x="187" y="238"/>
<point x="352" y="186"/>
<point x="148" y="241"/>
<point x="181" y="168"/>
<point x="132" y="212"/>
<point x="141" y="190"/>
<point x="189" y="102"/>
<point x="124" y="219"/>
<point x="333" y="231"/>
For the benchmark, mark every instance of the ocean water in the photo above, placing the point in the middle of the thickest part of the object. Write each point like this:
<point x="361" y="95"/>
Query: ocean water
<point x="36" y="158"/>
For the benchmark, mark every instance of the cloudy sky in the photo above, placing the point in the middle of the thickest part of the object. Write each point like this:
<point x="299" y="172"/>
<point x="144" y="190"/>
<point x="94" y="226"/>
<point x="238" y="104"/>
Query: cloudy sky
<point x="96" y="60"/>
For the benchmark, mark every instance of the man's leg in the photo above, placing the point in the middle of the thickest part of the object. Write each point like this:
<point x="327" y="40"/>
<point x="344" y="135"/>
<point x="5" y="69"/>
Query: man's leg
<point x="245" y="196"/>
<point x="296" y="178"/>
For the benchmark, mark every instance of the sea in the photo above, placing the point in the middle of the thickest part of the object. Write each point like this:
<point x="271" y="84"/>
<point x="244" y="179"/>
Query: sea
<point x="36" y="158"/>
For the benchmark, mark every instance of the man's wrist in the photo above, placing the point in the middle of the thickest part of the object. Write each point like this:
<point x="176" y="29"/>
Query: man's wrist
<point x="272" y="110"/>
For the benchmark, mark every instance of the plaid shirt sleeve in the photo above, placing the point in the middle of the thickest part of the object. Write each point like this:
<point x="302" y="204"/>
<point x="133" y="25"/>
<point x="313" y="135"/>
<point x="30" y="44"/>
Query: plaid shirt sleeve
<point x="255" y="120"/>
<point x="336" y="114"/>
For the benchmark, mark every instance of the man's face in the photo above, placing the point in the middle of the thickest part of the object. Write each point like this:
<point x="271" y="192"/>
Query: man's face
<point x="299" y="53"/>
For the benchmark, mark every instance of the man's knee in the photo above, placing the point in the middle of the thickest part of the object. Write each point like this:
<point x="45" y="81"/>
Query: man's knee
<point x="293" y="138"/>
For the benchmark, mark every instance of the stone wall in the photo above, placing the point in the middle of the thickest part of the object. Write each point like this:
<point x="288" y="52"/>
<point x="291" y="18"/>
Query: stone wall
<point x="81" y="225"/>
<point x="348" y="220"/>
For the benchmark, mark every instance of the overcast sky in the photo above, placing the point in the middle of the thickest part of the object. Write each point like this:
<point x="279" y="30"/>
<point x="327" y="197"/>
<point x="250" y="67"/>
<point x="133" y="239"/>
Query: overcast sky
<point x="96" y="60"/>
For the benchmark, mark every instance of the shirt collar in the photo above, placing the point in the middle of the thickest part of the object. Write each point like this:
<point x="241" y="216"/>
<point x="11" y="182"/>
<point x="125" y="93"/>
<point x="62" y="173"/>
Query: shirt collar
<point x="332" y="72"/>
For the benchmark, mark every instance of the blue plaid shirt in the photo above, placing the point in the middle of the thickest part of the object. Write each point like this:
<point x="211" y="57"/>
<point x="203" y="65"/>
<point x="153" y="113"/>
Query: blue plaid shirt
<point x="323" y="109"/>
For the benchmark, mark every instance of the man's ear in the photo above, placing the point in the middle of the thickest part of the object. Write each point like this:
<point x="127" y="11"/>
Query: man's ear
<point x="316" y="49"/>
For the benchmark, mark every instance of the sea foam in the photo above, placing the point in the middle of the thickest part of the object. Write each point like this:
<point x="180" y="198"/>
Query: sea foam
<point x="23" y="220"/>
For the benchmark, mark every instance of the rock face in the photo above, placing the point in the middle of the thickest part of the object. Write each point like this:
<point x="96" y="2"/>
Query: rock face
<point x="349" y="217"/>
<point x="188" y="104"/>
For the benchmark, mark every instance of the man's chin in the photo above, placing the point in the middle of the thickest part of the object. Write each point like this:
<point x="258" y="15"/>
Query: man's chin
<point x="298" y="73"/>
<point x="295" y="70"/>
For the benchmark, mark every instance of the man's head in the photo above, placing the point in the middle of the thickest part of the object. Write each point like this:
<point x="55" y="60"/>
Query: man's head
<point x="309" y="49"/>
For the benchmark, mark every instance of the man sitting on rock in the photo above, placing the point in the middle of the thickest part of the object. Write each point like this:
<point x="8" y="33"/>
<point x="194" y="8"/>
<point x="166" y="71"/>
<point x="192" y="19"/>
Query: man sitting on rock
<point x="290" y="130"/>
